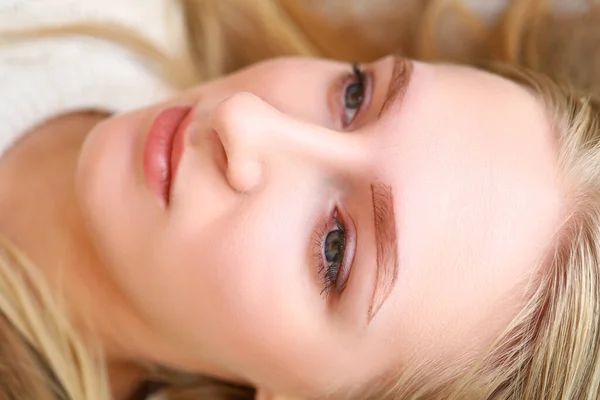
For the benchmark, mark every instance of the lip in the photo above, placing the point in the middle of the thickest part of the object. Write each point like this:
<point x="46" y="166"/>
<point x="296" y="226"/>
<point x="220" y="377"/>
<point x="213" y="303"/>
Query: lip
<point x="164" y="147"/>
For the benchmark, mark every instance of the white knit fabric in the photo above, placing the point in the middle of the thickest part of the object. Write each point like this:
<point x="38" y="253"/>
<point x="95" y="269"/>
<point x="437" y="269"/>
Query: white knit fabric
<point x="47" y="77"/>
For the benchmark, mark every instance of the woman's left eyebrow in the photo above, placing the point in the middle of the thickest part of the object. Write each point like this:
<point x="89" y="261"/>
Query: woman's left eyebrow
<point x="386" y="240"/>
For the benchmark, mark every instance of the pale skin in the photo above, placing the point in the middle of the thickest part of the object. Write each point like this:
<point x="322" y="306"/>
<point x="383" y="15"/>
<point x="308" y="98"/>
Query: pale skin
<point x="224" y="281"/>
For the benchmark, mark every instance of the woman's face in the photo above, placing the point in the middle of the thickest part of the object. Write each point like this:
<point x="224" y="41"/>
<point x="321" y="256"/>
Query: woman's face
<point x="323" y="228"/>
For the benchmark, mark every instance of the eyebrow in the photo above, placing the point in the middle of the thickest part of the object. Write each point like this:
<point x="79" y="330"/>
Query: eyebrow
<point x="386" y="244"/>
<point x="401" y="74"/>
<point x="386" y="240"/>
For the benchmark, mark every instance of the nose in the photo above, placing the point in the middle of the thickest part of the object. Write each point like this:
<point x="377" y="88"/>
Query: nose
<point x="256" y="136"/>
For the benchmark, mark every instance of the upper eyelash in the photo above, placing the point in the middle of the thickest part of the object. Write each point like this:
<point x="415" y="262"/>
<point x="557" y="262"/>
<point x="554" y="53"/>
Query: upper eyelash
<point x="357" y="71"/>
<point x="318" y="254"/>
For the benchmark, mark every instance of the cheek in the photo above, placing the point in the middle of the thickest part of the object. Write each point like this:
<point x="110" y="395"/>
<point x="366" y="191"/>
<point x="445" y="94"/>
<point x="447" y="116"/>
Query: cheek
<point x="227" y="277"/>
<point x="238" y="292"/>
<point x="246" y="271"/>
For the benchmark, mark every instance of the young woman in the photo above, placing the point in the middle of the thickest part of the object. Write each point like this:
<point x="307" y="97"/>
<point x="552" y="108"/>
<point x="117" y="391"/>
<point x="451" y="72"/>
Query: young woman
<point x="309" y="229"/>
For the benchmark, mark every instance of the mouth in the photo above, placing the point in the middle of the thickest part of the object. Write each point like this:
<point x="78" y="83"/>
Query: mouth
<point x="163" y="150"/>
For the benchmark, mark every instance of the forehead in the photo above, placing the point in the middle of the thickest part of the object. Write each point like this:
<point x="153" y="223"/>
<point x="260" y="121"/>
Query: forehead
<point x="472" y="161"/>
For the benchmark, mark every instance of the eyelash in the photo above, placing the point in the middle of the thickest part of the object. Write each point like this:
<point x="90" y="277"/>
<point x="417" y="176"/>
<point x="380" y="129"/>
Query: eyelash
<point x="358" y="79"/>
<point x="329" y="271"/>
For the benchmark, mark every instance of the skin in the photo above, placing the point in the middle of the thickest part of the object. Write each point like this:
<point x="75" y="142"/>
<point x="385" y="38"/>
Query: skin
<point x="224" y="281"/>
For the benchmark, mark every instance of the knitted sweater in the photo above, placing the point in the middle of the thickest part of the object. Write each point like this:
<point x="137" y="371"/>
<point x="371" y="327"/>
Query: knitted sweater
<point x="46" y="77"/>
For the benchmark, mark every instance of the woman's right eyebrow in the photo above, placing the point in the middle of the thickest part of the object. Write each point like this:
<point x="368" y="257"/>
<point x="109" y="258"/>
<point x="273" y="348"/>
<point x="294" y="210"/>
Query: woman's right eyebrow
<point x="401" y="75"/>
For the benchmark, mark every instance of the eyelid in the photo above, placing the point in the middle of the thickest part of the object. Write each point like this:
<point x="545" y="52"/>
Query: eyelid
<point x="337" y="98"/>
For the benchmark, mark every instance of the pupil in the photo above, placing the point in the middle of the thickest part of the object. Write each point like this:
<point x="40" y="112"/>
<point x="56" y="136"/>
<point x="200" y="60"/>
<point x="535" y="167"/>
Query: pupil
<point x="334" y="246"/>
<point x="354" y="95"/>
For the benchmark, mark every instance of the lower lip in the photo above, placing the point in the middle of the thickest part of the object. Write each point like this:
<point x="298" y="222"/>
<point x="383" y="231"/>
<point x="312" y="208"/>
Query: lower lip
<point x="164" y="148"/>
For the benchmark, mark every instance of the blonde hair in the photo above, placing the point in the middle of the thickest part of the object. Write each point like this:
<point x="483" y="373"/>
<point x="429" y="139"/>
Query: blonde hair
<point x="530" y="34"/>
<point x="42" y="356"/>
<point x="549" y="351"/>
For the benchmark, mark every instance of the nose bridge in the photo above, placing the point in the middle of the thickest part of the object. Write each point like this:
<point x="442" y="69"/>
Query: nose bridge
<point x="255" y="134"/>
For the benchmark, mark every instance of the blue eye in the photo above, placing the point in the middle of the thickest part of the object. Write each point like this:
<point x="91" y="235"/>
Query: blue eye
<point x="332" y="248"/>
<point x="354" y="95"/>
<point x="333" y="251"/>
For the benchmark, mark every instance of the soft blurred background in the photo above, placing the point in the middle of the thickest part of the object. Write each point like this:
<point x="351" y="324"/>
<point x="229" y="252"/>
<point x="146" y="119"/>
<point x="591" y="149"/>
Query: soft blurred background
<point x="559" y="37"/>
<point x="563" y="40"/>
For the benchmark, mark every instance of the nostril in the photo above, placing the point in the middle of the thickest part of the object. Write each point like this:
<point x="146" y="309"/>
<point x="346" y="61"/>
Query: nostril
<point x="218" y="152"/>
<point x="243" y="174"/>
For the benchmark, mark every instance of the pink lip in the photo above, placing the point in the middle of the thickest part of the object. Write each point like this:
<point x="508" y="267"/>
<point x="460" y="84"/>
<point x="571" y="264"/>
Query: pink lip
<point x="164" y="147"/>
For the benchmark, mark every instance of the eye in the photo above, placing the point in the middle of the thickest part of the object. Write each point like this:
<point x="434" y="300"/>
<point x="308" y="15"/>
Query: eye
<point x="354" y="95"/>
<point x="335" y="253"/>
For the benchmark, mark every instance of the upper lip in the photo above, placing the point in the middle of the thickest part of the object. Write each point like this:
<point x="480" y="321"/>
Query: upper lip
<point x="163" y="148"/>
<point x="178" y="144"/>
